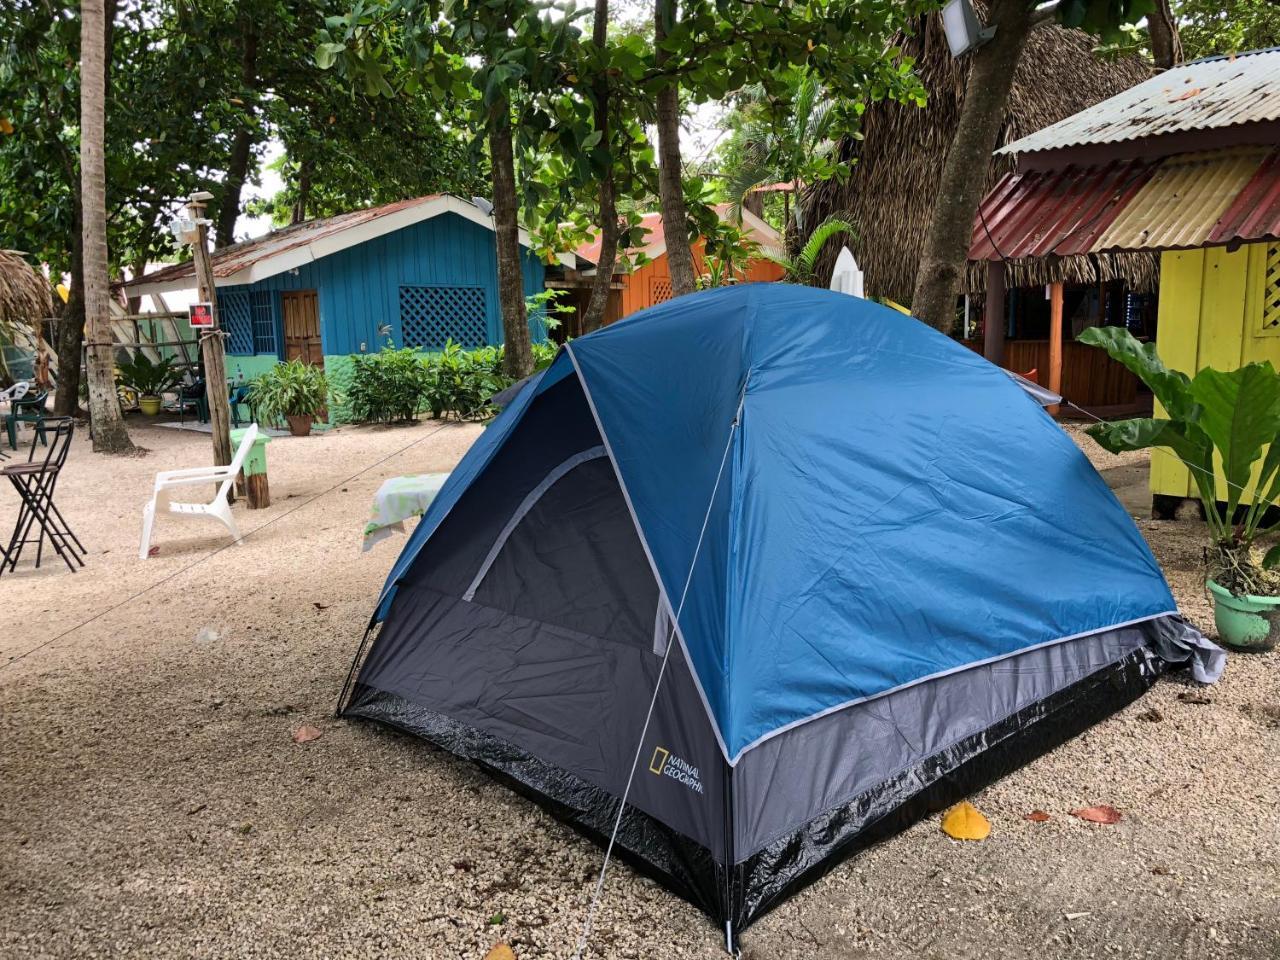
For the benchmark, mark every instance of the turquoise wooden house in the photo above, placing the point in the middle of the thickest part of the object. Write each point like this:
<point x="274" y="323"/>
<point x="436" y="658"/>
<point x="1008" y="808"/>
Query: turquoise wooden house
<point x="416" y="273"/>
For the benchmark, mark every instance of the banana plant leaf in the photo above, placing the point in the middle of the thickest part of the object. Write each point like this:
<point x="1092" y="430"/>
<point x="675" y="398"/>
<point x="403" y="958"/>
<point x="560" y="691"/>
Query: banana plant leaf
<point x="1240" y="412"/>
<point x="1171" y="387"/>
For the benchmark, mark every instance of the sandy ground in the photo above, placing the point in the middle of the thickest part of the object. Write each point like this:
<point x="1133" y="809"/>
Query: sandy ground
<point x="154" y="804"/>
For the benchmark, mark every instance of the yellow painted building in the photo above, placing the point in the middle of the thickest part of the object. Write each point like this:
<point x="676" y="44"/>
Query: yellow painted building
<point x="1217" y="309"/>
<point x="1187" y="165"/>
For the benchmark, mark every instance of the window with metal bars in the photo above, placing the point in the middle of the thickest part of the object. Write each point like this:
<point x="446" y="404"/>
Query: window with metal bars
<point x="262" y="304"/>
<point x="235" y="316"/>
<point x="430" y="316"/>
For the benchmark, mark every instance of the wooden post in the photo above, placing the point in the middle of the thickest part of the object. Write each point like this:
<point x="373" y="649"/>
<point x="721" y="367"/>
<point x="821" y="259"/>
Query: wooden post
<point x="993" y="334"/>
<point x="212" y="348"/>
<point x="1055" y="342"/>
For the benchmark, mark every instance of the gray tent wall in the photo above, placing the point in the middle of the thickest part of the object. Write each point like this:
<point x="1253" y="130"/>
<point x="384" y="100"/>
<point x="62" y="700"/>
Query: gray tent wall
<point x="528" y="636"/>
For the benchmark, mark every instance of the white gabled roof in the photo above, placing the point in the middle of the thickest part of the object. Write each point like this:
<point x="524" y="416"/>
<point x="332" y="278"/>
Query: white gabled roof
<point x="303" y="243"/>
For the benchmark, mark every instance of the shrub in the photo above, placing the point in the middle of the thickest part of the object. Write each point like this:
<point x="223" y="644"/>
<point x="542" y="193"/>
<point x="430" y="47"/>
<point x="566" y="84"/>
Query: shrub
<point x="399" y="384"/>
<point x="145" y="377"/>
<point x="460" y="382"/>
<point x="388" y="385"/>
<point x="292" y="389"/>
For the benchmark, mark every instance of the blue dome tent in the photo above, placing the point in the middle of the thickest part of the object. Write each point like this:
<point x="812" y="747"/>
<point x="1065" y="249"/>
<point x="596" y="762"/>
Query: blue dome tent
<point x="839" y="569"/>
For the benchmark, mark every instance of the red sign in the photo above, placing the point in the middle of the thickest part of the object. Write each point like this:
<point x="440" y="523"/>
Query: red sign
<point x="200" y="314"/>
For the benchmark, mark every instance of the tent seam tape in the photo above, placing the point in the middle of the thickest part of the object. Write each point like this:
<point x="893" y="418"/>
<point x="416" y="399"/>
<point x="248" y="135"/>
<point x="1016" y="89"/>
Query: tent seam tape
<point x="653" y="566"/>
<point x="938" y="676"/>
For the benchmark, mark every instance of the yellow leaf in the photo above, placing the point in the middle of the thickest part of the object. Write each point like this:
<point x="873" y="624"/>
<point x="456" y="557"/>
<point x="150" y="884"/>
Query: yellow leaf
<point x="964" y="822"/>
<point x="500" y="951"/>
<point x="6" y="126"/>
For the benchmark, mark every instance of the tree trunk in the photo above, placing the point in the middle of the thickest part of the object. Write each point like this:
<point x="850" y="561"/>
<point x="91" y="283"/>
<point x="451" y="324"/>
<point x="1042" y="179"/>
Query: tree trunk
<point x="299" y="212"/>
<point x="675" y="218"/>
<point x="1166" y="45"/>
<point x="70" y="338"/>
<point x="241" y="146"/>
<point x="964" y="175"/>
<point x="109" y="433"/>
<point x="598" y="303"/>
<point x="517" y="356"/>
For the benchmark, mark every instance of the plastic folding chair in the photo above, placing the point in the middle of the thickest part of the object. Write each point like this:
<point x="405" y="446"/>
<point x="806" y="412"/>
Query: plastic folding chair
<point x="219" y="508"/>
<point x="27" y="409"/>
<point x="35" y="482"/>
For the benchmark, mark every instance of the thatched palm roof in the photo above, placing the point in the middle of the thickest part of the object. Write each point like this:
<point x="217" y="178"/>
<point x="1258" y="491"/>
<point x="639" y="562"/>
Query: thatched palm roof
<point x="25" y="295"/>
<point x="891" y="191"/>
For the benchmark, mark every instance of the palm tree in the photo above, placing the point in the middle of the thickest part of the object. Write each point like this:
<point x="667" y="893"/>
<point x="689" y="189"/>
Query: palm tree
<point x="801" y="268"/>
<point x="109" y="433"/>
<point x="770" y="152"/>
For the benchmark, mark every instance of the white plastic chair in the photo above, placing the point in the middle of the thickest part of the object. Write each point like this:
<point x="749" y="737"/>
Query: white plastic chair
<point x="219" y="507"/>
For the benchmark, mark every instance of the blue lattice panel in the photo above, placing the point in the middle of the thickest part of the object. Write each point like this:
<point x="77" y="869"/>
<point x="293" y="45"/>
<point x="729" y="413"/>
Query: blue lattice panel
<point x="236" y="317"/>
<point x="262" y="305"/>
<point x="431" y="316"/>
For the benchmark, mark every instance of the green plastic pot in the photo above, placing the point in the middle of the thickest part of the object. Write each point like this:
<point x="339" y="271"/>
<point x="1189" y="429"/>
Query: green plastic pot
<point x="1245" y="623"/>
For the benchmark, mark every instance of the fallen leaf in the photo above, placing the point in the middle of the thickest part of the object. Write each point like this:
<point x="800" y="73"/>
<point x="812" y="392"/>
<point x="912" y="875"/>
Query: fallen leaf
<point x="1099" y="814"/>
<point x="1190" y="93"/>
<point x="500" y="951"/>
<point x="321" y="606"/>
<point x="1151" y="716"/>
<point x="1036" y="816"/>
<point x="1160" y="870"/>
<point x="964" y="822"/>
<point x="154" y="551"/>
<point x="1196" y="698"/>
<point x="306" y="733"/>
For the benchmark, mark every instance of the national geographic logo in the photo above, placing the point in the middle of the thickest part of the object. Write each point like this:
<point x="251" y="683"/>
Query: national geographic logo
<point x="665" y="764"/>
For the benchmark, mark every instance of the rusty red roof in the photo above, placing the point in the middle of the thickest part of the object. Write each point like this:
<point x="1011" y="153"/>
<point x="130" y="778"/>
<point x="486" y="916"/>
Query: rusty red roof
<point x="1186" y="200"/>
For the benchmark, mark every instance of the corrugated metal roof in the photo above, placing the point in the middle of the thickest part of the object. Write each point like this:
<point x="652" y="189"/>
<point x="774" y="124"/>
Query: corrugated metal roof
<point x="1188" y="200"/>
<point x="1182" y="201"/>
<point x="654" y="243"/>
<point x="1256" y="210"/>
<point x="1208" y="94"/>
<point x="230" y="260"/>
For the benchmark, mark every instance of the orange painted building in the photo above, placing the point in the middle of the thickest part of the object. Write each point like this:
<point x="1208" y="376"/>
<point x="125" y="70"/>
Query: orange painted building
<point x="651" y="284"/>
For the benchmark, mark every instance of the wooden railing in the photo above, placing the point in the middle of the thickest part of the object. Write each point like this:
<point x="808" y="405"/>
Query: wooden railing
<point x="1089" y="377"/>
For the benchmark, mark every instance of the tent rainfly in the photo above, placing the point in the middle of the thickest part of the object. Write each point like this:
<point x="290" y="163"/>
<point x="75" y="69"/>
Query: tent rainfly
<point x="854" y="571"/>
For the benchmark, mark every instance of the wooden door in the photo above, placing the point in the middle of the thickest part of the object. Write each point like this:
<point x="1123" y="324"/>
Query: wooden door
<point x="302" y="327"/>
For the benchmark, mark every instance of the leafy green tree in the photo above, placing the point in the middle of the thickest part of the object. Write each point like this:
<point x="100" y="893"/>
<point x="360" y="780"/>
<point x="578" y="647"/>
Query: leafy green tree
<point x="789" y="138"/>
<point x="1226" y="26"/>
<point x="986" y="94"/>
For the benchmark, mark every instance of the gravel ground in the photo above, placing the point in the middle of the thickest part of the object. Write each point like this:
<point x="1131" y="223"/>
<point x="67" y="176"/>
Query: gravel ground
<point x="154" y="804"/>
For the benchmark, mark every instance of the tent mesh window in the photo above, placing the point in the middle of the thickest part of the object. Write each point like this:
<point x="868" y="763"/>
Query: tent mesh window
<point x="235" y="315"/>
<point x="659" y="289"/>
<point x="1271" y="292"/>
<point x="262" y="304"/>
<point x="432" y="316"/>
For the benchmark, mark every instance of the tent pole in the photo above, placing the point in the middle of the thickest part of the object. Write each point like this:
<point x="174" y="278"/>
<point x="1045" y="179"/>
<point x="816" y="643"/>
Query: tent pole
<point x="351" y="674"/>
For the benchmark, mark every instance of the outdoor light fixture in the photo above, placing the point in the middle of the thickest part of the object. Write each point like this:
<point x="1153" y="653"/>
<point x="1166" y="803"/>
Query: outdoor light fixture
<point x="485" y="206"/>
<point x="184" y="229"/>
<point x="965" y="33"/>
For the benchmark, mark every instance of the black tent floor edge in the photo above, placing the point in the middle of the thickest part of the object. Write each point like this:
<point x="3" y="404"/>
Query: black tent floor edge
<point x="765" y="879"/>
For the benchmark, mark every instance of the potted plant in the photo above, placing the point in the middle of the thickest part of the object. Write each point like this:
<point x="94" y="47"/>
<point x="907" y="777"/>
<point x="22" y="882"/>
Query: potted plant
<point x="295" y="390"/>
<point x="1223" y="426"/>
<point x="148" y="379"/>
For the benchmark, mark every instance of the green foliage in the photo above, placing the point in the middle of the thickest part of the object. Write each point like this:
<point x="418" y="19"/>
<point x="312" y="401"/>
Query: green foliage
<point x="727" y="251"/>
<point x="290" y="389"/>
<point x="801" y="267"/>
<point x="1222" y="419"/>
<point x="397" y="385"/>
<point x="388" y="385"/>
<point x="145" y="377"/>
<point x="459" y="383"/>
<point x="1209" y="27"/>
